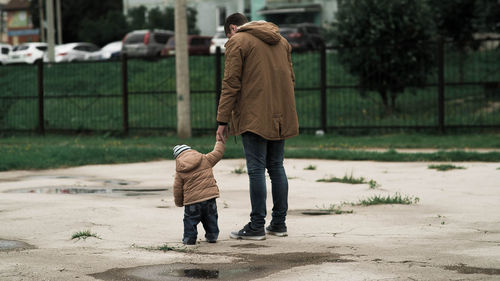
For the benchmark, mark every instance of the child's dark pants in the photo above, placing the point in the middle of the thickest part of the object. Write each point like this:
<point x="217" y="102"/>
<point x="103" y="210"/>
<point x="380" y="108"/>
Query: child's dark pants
<point x="206" y="212"/>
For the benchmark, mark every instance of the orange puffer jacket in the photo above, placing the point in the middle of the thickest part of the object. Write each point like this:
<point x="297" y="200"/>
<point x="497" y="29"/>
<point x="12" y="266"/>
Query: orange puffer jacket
<point x="194" y="179"/>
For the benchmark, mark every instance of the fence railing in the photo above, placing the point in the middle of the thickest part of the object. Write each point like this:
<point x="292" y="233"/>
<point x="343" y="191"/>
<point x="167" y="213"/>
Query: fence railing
<point x="462" y="90"/>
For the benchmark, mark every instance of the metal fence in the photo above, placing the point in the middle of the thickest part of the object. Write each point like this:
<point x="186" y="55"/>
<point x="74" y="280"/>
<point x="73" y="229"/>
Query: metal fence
<point x="462" y="90"/>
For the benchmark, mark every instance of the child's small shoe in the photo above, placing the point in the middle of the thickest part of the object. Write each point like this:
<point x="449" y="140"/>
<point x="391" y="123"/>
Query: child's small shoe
<point x="211" y="241"/>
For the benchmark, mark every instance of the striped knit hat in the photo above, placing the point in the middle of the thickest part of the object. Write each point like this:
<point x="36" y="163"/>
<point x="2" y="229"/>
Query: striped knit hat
<point x="178" y="149"/>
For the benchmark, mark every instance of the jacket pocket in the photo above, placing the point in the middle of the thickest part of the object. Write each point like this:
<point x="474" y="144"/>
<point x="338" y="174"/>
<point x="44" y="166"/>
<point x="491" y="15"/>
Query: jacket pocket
<point x="277" y="123"/>
<point x="235" y="124"/>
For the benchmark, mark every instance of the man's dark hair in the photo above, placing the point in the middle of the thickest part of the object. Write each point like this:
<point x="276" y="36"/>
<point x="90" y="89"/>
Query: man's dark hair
<point x="236" y="19"/>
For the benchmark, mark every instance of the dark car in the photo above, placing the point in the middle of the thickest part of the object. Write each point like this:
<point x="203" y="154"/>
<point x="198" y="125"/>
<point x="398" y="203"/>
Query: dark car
<point x="145" y="43"/>
<point x="197" y="45"/>
<point x="303" y="37"/>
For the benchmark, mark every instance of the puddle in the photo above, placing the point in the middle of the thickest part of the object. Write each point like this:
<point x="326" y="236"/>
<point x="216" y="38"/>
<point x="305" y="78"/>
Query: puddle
<point x="249" y="246"/>
<point x="198" y="273"/>
<point x="171" y="272"/>
<point x="74" y="190"/>
<point x="44" y="177"/>
<point x="310" y="212"/>
<point x="120" y="182"/>
<point x="464" y="269"/>
<point x="246" y="267"/>
<point x="9" y="245"/>
<point x="112" y="182"/>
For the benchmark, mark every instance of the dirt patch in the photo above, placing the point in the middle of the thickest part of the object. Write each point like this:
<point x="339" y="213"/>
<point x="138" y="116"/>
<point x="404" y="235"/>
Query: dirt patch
<point x="249" y="267"/>
<point x="464" y="269"/>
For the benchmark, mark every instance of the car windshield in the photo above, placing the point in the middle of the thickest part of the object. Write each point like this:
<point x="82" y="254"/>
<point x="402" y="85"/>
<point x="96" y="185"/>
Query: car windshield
<point x="219" y="35"/>
<point x="313" y="29"/>
<point x="135" y="38"/>
<point x="200" y="42"/>
<point x="21" y="48"/>
<point x="42" y="48"/>
<point x="161" y="37"/>
<point x="171" y="43"/>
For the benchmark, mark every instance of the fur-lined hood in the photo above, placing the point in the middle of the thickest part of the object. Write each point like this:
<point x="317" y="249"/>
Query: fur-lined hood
<point x="265" y="31"/>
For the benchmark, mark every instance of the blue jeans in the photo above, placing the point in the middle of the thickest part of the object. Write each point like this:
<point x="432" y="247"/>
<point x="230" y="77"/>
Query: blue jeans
<point x="262" y="154"/>
<point x="206" y="212"/>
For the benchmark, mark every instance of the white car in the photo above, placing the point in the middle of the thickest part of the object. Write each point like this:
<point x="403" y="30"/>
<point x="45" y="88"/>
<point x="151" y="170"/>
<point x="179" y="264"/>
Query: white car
<point x="27" y="53"/>
<point x="73" y="52"/>
<point x="219" y="40"/>
<point x="110" y="51"/>
<point x="5" y="49"/>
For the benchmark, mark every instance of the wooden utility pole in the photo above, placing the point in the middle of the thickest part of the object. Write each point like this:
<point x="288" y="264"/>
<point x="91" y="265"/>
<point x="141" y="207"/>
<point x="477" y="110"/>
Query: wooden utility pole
<point x="49" y="7"/>
<point x="59" y="22"/>
<point x="182" y="71"/>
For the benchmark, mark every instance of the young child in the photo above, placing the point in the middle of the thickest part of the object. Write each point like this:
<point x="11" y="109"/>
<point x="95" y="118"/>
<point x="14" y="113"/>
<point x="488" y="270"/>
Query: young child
<point x="195" y="188"/>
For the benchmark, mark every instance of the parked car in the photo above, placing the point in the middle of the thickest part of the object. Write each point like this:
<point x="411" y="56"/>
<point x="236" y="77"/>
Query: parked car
<point x="303" y="37"/>
<point x="219" y="40"/>
<point x="145" y="43"/>
<point x="70" y="52"/>
<point x="4" y="52"/>
<point x="197" y="45"/>
<point x="27" y="53"/>
<point x="109" y="51"/>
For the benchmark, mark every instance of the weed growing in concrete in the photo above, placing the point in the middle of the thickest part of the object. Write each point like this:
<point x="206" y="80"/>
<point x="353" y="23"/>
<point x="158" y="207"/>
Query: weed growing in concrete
<point x="396" y="199"/>
<point x="240" y="170"/>
<point x="165" y="248"/>
<point x="351" y="180"/>
<point x="334" y="209"/>
<point x="444" y="167"/>
<point x="84" y="235"/>
<point x="346" y="179"/>
<point x="310" y="167"/>
<point x="373" y="184"/>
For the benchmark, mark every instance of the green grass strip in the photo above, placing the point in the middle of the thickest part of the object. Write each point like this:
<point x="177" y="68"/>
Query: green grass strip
<point x="38" y="152"/>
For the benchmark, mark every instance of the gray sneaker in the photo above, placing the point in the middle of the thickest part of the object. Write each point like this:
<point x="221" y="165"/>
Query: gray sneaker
<point x="247" y="233"/>
<point x="276" y="230"/>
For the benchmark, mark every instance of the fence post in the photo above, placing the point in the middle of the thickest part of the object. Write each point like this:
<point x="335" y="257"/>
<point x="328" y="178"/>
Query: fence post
<point x="323" y="87"/>
<point x="218" y="79"/>
<point x="41" y="121"/>
<point x="440" y="61"/>
<point x="125" y="94"/>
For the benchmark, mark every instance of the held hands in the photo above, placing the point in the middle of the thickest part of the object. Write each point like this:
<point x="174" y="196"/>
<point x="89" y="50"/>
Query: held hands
<point x="221" y="133"/>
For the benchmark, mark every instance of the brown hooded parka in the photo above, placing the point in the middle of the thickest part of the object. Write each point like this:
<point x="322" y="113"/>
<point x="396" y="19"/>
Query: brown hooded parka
<point x="258" y="87"/>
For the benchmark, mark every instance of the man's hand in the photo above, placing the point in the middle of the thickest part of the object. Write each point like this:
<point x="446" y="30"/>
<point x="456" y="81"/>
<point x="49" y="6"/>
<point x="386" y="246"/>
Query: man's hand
<point x="221" y="133"/>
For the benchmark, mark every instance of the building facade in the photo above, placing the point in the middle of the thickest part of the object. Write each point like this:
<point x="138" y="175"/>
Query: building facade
<point x="3" y="21"/>
<point x="212" y="13"/>
<point x="18" y="22"/>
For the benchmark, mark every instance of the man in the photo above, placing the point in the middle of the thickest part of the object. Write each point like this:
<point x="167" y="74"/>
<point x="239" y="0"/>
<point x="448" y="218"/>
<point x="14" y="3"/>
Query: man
<point x="258" y="102"/>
